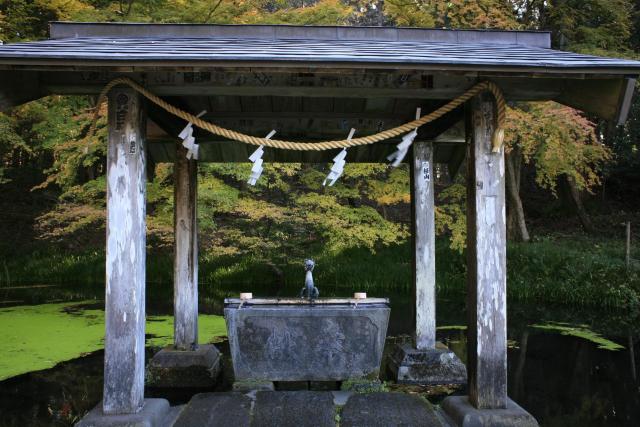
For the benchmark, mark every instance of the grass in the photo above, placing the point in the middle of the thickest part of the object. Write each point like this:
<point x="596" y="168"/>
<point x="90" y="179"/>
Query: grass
<point x="572" y="271"/>
<point x="40" y="336"/>
<point x="577" y="272"/>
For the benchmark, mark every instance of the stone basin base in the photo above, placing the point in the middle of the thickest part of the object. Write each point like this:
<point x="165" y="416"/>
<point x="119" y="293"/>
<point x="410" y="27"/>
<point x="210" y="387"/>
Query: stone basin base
<point x="464" y="414"/>
<point x="154" y="413"/>
<point x="294" y="340"/>
<point x="434" y="366"/>
<point x="171" y="368"/>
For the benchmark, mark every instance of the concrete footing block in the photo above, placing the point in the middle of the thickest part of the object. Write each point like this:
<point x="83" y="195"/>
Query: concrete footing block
<point x="180" y="369"/>
<point x="464" y="414"/>
<point x="154" y="413"/>
<point x="427" y="367"/>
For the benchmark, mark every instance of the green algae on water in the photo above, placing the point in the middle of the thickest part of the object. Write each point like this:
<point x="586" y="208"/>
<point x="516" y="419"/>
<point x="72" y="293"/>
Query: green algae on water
<point x="580" y="331"/>
<point x="40" y="336"/>
<point x="159" y="329"/>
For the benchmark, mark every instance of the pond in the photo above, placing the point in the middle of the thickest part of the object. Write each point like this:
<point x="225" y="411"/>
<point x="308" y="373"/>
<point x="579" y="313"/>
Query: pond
<point x="567" y="367"/>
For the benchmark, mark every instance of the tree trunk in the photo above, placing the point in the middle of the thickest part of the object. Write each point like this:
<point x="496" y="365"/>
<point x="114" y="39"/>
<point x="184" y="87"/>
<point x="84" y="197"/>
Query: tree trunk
<point x="574" y="192"/>
<point x="516" y="225"/>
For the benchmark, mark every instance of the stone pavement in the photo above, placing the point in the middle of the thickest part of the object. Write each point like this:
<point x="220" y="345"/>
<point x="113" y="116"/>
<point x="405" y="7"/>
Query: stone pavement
<point x="308" y="408"/>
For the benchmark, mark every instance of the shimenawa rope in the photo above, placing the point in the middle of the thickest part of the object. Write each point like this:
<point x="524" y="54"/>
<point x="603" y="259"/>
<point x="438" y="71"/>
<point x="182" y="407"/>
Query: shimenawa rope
<point x="485" y="86"/>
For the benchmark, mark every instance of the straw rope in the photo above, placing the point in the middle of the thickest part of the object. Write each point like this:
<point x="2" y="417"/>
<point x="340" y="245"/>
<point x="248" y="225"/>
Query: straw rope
<point x="485" y="86"/>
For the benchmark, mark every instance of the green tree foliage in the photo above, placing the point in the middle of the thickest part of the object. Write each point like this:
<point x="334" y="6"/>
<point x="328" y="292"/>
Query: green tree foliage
<point x="289" y="213"/>
<point x="14" y="150"/>
<point x="451" y="217"/>
<point x="55" y="126"/>
<point x="453" y="13"/>
<point x="289" y="209"/>
<point x="29" y="19"/>
<point x="392" y="189"/>
<point x="596" y="26"/>
<point x="303" y="12"/>
<point x="558" y="141"/>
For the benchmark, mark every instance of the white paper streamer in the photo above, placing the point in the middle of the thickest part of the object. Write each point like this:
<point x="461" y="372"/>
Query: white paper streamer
<point x="189" y="141"/>
<point x="338" y="164"/>
<point x="397" y="156"/>
<point x="256" y="159"/>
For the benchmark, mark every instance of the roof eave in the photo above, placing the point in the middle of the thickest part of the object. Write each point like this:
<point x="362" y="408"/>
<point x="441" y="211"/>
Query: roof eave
<point x="139" y="63"/>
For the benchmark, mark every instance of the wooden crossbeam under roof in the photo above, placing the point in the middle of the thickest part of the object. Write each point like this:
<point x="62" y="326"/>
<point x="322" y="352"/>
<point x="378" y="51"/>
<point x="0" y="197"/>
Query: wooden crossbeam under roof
<point x="311" y="82"/>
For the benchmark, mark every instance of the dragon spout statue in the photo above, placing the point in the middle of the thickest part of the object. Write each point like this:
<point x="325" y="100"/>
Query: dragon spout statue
<point x="309" y="290"/>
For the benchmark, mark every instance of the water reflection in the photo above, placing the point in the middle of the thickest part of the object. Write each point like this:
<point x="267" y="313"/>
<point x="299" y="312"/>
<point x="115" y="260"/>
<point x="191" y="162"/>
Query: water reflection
<point x="559" y="373"/>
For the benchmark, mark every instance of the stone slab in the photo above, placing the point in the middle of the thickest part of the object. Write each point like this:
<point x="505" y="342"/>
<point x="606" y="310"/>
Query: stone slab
<point x="340" y="397"/>
<point x="154" y="413"/>
<point x="460" y="410"/>
<point x="173" y="414"/>
<point x="321" y="342"/>
<point x="428" y="367"/>
<point x="216" y="410"/>
<point x="181" y="368"/>
<point x="248" y="385"/>
<point x="294" y="409"/>
<point x="388" y="409"/>
<point x="362" y="386"/>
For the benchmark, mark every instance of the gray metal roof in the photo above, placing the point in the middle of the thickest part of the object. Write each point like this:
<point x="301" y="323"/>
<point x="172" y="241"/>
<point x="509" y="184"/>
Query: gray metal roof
<point x="143" y="44"/>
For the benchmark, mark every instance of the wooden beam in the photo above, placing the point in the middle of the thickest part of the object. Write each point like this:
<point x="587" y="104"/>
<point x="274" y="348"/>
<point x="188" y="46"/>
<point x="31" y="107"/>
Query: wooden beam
<point x="534" y="91"/>
<point x="486" y="262"/>
<point x="624" y="105"/>
<point x="166" y="121"/>
<point x="604" y="98"/>
<point x="307" y="115"/>
<point x="308" y="128"/>
<point x="323" y="83"/>
<point x="163" y="151"/>
<point x="126" y="65"/>
<point x="424" y="245"/>
<point x="125" y="263"/>
<point x="438" y="127"/>
<point x="185" y="267"/>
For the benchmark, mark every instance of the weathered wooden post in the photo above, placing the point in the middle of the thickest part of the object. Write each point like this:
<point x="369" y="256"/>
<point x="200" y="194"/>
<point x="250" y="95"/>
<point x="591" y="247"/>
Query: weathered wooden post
<point x="125" y="269"/>
<point x="185" y="266"/>
<point x="126" y="249"/>
<point x="486" y="280"/>
<point x="486" y="264"/>
<point x="424" y="363"/>
<point x="424" y="245"/>
<point x="186" y="364"/>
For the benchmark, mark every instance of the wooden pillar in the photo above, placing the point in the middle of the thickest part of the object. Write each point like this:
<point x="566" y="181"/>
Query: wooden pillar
<point x="185" y="267"/>
<point x="486" y="261"/>
<point x="125" y="264"/>
<point x="424" y="245"/>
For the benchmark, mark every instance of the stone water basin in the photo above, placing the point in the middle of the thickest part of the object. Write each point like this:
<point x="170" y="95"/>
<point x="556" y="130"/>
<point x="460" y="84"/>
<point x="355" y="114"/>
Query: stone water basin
<point x="331" y="339"/>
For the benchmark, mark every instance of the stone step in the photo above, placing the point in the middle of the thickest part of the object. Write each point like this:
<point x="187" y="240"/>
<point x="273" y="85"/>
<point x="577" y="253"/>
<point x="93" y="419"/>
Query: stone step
<point x="308" y="408"/>
<point x="294" y="408"/>
<point x="216" y="410"/>
<point x="388" y="409"/>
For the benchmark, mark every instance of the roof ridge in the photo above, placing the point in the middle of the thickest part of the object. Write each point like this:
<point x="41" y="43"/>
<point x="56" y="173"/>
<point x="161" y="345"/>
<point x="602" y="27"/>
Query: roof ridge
<point x="530" y="38"/>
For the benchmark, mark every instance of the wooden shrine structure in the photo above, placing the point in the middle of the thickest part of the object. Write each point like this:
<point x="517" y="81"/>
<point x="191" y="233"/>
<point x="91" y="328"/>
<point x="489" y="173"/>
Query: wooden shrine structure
<point x="308" y="83"/>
